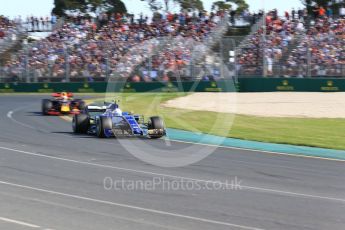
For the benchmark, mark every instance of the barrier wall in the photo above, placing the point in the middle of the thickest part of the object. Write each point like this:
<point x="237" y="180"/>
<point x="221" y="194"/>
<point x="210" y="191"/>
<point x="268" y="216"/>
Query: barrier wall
<point x="244" y="85"/>
<point x="98" y="87"/>
<point x="291" y="84"/>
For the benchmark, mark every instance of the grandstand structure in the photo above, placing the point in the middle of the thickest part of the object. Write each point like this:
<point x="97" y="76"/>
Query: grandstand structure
<point x="289" y="49"/>
<point x="86" y="50"/>
<point x="10" y="34"/>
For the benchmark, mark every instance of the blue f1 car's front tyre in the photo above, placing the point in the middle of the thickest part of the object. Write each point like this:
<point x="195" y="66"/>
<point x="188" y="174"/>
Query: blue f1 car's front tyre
<point x="103" y="124"/>
<point x="156" y="128"/>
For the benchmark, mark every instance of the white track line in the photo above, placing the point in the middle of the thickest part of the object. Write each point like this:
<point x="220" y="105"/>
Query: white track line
<point x="68" y="119"/>
<point x="89" y="211"/>
<point x="18" y="222"/>
<point x="262" y="151"/>
<point x="154" y="211"/>
<point x="10" y="116"/>
<point x="267" y="190"/>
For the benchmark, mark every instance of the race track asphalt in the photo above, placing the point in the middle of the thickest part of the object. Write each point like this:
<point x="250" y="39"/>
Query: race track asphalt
<point x="53" y="179"/>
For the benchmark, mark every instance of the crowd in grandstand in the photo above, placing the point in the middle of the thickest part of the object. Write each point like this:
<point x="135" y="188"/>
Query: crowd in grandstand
<point x="322" y="50"/>
<point x="84" y="47"/>
<point x="96" y="48"/>
<point x="6" y="27"/>
<point x="269" y="43"/>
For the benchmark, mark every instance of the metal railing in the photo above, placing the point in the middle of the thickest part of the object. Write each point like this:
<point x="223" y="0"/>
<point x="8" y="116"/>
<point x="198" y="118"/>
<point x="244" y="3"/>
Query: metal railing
<point x="146" y="72"/>
<point x="146" y="59"/>
<point x="42" y="25"/>
<point x="142" y="73"/>
<point x="45" y="61"/>
<point x="218" y="32"/>
<point x="67" y="62"/>
<point x="299" y="71"/>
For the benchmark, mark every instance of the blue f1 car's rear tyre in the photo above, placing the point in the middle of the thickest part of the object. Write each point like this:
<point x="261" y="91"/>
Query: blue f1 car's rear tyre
<point x="103" y="123"/>
<point x="46" y="106"/>
<point x="156" y="124"/>
<point x="80" y="123"/>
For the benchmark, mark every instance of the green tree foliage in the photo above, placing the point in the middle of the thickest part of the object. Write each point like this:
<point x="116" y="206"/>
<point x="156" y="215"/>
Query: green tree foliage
<point x="88" y="6"/>
<point x="221" y="5"/>
<point x="191" y="4"/>
<point x="241" y="5"/>
<point x="184" y="4"/>
<point x="325" y="3"/>
<point x="61" y="6"/>
<point x="114" y="6"/>
<point x="226" y="5"/>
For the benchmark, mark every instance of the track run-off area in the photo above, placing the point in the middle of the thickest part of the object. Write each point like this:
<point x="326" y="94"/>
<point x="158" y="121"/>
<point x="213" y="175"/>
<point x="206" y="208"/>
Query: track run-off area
<point x="53" y="179"/>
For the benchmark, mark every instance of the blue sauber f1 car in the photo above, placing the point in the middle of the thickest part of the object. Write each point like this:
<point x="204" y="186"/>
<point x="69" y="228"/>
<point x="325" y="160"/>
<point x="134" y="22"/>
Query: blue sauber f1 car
<point x="109" y="121"/>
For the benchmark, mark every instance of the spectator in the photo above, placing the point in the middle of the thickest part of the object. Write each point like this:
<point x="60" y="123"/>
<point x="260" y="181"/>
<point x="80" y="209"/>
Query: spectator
<point x="322" y="12"/>
<point x="7" y="27"/>
<point x="342" y="11"/>
<point x="53" y="19"/>
<point x="316" y="11"/>
<point x="85" y="49"/>
<point x="323" y="49"/>
<point x="329" y="12"/>
<point x="293" y="12"/>
<point x="279" y="34"/>
<point x="300" y="14"/>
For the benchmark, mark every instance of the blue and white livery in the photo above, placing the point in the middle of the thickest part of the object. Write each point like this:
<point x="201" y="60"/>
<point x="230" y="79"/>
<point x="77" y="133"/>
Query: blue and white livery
<point x="108" y="120"/>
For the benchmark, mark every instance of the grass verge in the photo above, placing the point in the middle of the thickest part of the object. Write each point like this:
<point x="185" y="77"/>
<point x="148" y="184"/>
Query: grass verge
<point x="324" y="133"/>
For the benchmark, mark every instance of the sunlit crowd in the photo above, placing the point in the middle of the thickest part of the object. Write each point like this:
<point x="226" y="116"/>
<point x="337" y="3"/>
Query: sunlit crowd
<point x="92" y="49"/>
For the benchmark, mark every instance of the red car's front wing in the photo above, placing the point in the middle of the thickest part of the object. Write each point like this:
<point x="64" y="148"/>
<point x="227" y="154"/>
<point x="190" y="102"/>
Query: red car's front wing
<point x="57" y="113"/>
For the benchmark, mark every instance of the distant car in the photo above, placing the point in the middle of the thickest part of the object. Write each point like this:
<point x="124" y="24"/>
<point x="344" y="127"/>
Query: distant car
<point x="109" y="121"/>
<point x="62" y="103"/>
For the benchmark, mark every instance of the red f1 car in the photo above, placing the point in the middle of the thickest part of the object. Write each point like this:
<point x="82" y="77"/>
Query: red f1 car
<point x="62" y="103"/>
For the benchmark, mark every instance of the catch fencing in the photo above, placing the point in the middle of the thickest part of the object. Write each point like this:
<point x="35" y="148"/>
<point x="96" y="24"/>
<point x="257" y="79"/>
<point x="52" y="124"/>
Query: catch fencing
<point x="94" y="61"/>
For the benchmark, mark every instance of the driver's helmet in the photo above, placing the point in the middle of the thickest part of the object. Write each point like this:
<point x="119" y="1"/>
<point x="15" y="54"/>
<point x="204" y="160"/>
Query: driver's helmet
<point x="64" y="96"/>
<point x="117" y="112"/>
<point x="114" y="109"/>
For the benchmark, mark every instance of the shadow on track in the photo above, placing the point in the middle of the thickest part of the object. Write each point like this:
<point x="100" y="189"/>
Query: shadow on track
<point x="35" y="114"/>
<point x="75" y="135"/>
